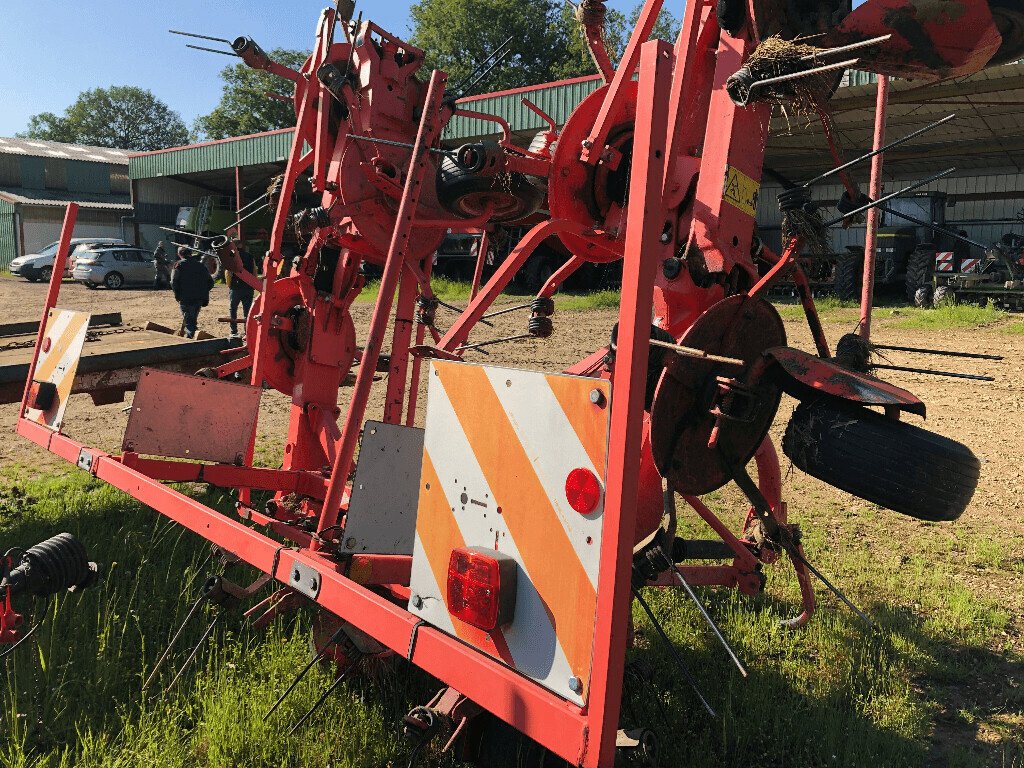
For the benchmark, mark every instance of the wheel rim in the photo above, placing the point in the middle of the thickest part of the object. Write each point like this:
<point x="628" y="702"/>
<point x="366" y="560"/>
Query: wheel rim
<point x="114" y="281"/>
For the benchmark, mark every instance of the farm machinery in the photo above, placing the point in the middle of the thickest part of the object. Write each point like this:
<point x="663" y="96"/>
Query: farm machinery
<point x="500" y="547"/>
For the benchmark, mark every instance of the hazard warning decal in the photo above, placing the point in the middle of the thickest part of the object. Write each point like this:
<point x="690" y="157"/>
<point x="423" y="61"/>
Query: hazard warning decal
<point x="55" y="371"/>
<point x="499" y="448"/>
<point x="740" y="191"/>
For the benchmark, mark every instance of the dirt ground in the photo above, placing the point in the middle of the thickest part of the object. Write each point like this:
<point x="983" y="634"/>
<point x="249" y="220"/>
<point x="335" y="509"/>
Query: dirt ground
<point x="985" y="416"/>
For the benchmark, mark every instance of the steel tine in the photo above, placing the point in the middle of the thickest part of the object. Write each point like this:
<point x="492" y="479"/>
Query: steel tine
<point x="496" y="52"/>
<point x="711" y="622"/>
<point x="845" y="48"/>
<point x="880" y="150"/>
<point x="887" y="198"/>
<point x="201" y="37"/>
<point x="930" y="372"/>
<point x="253" y="202"/>
<point x="191" y="656"/>
<point x="210" y="50"/>
<point x="177" y="635"/>
<point x="313" y="662"/>
<point x="486" y="72"/>
<point x="942" y="352"/>
<point x="798" y="75"/>
<point x="507" y="310"/>
<point x="489" y="342"/>
<point x="673" y="650"/>
<point x="250" y="214"/>
<point x="459" y="311"/>
<point x="795" y="552"/>
<point x="323" y="696"/>
<point x="934" y="227"/>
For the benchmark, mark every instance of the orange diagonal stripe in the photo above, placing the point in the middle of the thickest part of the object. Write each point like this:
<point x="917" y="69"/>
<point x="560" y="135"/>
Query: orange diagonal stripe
<point x="575" y="401"/>
<point x="59" y="347"/>
<point x="439" y="534"/>
<point x="548" y="554"/>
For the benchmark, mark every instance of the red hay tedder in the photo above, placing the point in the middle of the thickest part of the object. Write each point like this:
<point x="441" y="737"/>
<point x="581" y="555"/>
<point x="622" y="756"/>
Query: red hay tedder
<point x="500" y="547"/>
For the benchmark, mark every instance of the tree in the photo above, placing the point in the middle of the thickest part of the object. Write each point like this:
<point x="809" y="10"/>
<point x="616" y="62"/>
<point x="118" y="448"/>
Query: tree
<point x="245" y="107"/>
<point x="457" y="34"/>
<point x="547" y="41"/>
<point x="121" y="117"/>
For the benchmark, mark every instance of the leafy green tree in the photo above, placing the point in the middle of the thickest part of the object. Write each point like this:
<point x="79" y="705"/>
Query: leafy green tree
<point x="121" y="117"/>
<point x="245" y="107"/>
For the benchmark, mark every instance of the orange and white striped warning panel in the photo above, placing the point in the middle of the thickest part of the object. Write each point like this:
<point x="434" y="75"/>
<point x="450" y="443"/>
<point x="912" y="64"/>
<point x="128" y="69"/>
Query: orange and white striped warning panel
<point x="944" y="261"/>
<point x="510" y="515"/>
<point x="970" y="265"/>
<point x="55" y="371"/>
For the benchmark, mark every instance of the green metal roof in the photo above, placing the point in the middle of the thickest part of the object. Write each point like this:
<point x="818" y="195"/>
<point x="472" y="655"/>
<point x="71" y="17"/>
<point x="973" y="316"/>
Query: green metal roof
<point x="258" y="149"/>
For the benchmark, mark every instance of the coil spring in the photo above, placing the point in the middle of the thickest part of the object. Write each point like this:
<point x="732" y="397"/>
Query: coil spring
<point x="543" y="305"/>
<point x="426" y="310"/>
<point x="540" y="326"/>
<point x="53" y="565"/>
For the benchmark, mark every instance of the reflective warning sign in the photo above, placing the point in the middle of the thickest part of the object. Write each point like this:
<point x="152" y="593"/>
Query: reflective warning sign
<point x="741" y="191"/>
<point x="58" y="363"/>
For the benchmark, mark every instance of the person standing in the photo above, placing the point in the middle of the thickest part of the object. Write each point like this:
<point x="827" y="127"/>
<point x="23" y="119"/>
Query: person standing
<point x="191" y="283"/>
<point x="163" y="267"/>
<point x="240" y="293"/>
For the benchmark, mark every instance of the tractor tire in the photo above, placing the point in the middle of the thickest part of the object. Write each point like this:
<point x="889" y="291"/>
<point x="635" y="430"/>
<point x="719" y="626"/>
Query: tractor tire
<point x="923" y="296"/>
<point x="943" y="296"/>
<point x="1009" y="19"/>
<point x="467" y="191"/>
<point x="846" y="283"/>
<point x="537" y="271"/>
<point x="919" y="272"/>
<point x="891" y="463"/>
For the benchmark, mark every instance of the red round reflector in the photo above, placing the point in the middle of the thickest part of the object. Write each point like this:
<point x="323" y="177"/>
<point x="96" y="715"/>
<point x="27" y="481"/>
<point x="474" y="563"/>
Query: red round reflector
<point x="583" y="490"/>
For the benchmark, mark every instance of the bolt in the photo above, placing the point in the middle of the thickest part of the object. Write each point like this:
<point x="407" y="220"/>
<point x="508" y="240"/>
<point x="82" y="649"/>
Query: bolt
<point x="312" y="584"/>
<point x="665" y="237"/>
<point x="597" y="397"/>
<point x="417" y="601"/>
<point x="575" y="685"/>
<point x="350" y="544"/>
<point x="671" y="268"/>
<point x="587" y="143"/>
<point x="296" y="576"/>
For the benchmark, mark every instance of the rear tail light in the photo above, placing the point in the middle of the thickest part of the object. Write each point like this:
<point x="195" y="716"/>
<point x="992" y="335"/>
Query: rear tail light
<point x="482" y="587"/>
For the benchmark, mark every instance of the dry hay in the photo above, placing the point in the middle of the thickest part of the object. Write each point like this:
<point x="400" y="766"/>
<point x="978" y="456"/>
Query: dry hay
<point x="809" y="227"/>
<point x="775" y="57"/>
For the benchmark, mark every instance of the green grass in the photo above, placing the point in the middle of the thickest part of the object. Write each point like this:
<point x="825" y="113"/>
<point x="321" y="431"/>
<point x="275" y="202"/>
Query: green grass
<point x="833" y="694"/>
<point x="945" y="317"/>
<point x="1014" y="329"/>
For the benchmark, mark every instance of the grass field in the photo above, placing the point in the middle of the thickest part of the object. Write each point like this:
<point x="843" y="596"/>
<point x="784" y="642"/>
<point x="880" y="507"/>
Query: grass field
<point x="939" y="681"/>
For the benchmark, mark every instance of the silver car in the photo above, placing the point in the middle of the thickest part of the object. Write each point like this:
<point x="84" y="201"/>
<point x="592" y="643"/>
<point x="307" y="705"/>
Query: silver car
<point x="39" y="266"/>
<point x="114" y="267"/>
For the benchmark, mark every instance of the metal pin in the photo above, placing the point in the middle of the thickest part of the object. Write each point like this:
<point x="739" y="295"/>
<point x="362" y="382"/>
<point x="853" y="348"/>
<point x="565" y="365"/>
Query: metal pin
<point x="402" y="144"/>
<point x="673" y="650"/>
<point x="323" y="697"/>
<point x="315" y="660"/>
<point x="698" y="353"/>
<point x="711" y="622"/>
<point x="201" y="37"/>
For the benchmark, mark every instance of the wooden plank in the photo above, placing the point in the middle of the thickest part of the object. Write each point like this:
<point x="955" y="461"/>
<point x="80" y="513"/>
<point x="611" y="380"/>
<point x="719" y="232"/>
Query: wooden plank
<point x="32" y="327"/>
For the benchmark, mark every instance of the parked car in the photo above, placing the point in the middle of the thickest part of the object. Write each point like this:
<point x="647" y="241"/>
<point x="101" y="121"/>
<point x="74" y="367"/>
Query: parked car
<point x="39" y="266"/>
<point x="115" y="267"/>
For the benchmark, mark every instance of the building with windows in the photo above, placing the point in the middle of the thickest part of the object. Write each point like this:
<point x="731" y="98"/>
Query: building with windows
<point x="39" y="178"/>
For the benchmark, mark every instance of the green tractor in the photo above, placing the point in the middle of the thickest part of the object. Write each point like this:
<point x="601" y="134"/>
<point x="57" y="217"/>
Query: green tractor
<point x="214" y="216"/>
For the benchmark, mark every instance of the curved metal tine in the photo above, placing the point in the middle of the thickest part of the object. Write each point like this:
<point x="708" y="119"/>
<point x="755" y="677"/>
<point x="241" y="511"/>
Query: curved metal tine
<point x="794" y="552"/>
<point x="887" y="198"/>
<point x="177" y="635"/>
<point x="313" y="662"/>
<point x="711" y="622"/>
<point x="798" y="75"/>
<point x="941" y="352"/>
<point x="822" y="52"/>
<point x="505" y="311"/>
<point x="930" y="372"/>
<point x="496" y="52"/>
<point x="487" y="71"/>
<point x="459" y="311"/>
<point x="673" y="650"/>
<point x="880" y="150"/>
<point x="201" y="37"/>
<point x="253" y="202"/>
<point x="934" y="228"/>
<point x="323" y="697"/>
<point x="189" y="234"/>
<point x="195" y="650"/>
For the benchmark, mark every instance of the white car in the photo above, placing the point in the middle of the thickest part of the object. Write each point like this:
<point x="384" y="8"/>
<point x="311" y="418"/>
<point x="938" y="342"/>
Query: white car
<point x="39" y="266"/>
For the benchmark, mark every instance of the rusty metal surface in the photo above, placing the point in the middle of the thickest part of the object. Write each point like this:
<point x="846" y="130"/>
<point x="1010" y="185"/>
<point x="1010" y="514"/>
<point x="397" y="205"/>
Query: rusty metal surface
<point x="805" y="376"/>
<point x="190" y="417"/>
<point x="681" y="421"/>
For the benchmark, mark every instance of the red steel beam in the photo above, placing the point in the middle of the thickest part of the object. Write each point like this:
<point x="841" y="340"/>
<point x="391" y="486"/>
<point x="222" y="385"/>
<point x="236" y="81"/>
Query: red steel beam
<point x="867" y="295"/>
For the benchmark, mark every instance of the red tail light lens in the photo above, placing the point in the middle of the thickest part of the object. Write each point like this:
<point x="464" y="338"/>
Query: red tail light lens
<point x="583" y="490"/>
<point x="482" y="587"/>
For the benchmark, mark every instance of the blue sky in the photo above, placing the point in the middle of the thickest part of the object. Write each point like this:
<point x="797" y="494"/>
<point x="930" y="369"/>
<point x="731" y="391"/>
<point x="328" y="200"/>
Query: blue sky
<point x="54" y="50"/>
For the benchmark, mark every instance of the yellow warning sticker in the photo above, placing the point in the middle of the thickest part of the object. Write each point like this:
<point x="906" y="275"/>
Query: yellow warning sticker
<point x="741" y="191"/>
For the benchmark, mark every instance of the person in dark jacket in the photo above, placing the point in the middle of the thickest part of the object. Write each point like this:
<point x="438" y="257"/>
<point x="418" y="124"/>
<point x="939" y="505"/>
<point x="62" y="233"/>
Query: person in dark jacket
<point x="240" y="292"/>
<point x="191" y="283"/>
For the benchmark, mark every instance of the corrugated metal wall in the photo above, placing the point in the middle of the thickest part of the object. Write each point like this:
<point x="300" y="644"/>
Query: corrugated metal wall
<point x="8" y="235"/>
<point x="558" y="101"/>
<point x="255" y="150"/>
<point x="983" y="220"/>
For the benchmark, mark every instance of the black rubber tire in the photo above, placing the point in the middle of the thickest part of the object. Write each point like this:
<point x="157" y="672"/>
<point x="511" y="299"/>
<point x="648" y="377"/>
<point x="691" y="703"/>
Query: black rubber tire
<point x="919" y="271"/>
<point x="114" y="280"/>
<point x="891" y="463"/>
<point x="942" y="296"/>
<point x="923" y="296"/>
<point x="458" y="188"/>
<point x="1009" y="18"/>
<point x="45" y="274"/>
<point x="90" y="286"/>
<point x="847" y="277"/>
<point x="731" y="15"/>
<point x="502" y="746"/>
<point x="537" y="271"/>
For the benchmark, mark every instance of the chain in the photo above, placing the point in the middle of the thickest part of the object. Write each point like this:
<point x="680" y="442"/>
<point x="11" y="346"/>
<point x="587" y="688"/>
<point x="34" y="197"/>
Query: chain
<point x="89" y="336"/>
